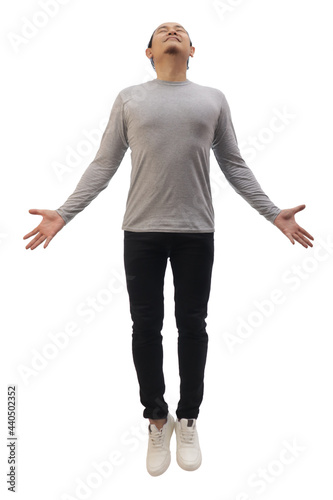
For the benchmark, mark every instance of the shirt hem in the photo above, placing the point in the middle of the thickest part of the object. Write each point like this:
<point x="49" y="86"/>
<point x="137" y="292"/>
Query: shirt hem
<point x="166" y="230"/>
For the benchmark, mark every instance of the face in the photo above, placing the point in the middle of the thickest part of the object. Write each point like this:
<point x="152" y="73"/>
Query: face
<point x="170" y="38"/>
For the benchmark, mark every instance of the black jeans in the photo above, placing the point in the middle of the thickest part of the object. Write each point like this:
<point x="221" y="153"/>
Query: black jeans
<point x="145" y="258"/>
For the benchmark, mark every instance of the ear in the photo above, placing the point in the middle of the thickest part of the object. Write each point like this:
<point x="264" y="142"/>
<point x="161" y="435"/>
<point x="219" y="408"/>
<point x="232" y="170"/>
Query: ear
<point x="149" y="53"/>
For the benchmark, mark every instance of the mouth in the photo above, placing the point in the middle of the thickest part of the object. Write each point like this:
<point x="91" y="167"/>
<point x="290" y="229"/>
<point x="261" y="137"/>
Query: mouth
<point x="172" y="37"/>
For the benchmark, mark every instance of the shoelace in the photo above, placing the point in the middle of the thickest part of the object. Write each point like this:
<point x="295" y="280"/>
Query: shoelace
<point x="157" y="438"/>
<point x="187" y="435"/>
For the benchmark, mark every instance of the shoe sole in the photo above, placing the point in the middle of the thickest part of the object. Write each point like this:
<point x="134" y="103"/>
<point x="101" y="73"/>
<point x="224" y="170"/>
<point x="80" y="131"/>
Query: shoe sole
<point x="188" y="467"/>
<point x="160" y="471"/>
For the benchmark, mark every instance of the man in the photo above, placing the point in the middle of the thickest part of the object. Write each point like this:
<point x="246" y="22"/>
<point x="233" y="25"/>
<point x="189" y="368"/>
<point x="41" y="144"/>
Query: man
<point x="170" y="124"/>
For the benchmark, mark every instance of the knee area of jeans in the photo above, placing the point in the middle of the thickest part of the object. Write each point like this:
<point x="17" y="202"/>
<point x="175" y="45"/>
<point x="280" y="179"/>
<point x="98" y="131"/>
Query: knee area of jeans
<point x="191" y="334"/>
<point x="192" y="328"/>
<point x="147" y="326"/>
<point x="147" y="336"/>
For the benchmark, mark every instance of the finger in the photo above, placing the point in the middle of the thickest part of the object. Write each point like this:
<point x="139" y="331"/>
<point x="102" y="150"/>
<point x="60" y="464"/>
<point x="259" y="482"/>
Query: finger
<point x="290" y="238"/>
<point x="36" y="211"/>
<point x="48" y="241"/>
<point x="34" y="240"/>
<point x="297" y="238"/>
<point x="306" y="233"/>
<point x="38" y="242"/>
<point x="30" y="243"/>
<point x="305" y="240"/>
<point x="34" y="231"/>
<point x="299" y="208"/>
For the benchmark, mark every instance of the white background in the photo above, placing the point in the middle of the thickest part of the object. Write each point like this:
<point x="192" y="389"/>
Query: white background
<point x="273" y="387"/>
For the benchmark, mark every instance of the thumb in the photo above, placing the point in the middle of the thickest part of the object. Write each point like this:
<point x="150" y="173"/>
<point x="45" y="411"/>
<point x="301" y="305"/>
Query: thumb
<point x="36" y="211"/>
<point x="298" y="208"/>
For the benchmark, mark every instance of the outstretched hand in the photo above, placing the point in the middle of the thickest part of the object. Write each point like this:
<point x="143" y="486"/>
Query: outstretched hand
<point x="51" y="224"/>
<point x="285" y="221"/>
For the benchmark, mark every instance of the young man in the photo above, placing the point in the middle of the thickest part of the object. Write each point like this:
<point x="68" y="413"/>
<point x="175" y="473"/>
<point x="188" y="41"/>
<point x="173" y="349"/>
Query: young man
<point x="170" y="124"/>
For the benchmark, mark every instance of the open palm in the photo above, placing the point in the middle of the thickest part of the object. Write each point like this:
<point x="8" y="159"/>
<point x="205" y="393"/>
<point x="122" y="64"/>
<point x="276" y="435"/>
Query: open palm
<point x="285" y="221"/>
<point x="51" y="224"/>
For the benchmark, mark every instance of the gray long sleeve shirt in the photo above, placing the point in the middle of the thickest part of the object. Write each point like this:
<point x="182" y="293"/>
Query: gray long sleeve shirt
<point x="170" y="128"/>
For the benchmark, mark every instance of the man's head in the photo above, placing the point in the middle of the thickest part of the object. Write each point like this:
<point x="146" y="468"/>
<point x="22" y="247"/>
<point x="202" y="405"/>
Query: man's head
<point x="162" y="43"/>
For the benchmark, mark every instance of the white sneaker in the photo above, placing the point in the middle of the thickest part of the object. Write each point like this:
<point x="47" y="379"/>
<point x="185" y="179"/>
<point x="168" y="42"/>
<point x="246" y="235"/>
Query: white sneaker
<point x="158" y="454"/>
<point x="188" y="448"/>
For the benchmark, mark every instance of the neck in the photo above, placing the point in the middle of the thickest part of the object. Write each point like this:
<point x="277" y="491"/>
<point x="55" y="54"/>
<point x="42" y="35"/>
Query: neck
<point x="171" y="73"/>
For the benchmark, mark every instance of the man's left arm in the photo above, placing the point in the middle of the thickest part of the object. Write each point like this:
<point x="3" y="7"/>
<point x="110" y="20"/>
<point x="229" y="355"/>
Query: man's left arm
<point x="243" y="181"/>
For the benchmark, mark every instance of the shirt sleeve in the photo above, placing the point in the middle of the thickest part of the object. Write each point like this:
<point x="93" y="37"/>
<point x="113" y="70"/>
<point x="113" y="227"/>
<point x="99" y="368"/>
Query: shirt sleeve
<point x="236" y="171"/>
<point x="113" y="146"/>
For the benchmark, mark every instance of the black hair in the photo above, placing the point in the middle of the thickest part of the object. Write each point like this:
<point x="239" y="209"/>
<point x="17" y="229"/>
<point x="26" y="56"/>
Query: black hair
<point x="150" y="45"/>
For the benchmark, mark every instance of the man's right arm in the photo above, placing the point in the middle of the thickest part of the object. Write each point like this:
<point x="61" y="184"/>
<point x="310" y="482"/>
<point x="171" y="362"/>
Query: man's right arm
<point x="113" y="146"/>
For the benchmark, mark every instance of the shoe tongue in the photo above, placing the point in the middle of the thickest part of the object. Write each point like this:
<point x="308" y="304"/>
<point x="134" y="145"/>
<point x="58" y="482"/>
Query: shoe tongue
<point x="187" y="422"/>
<point x="154" y="427"/>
